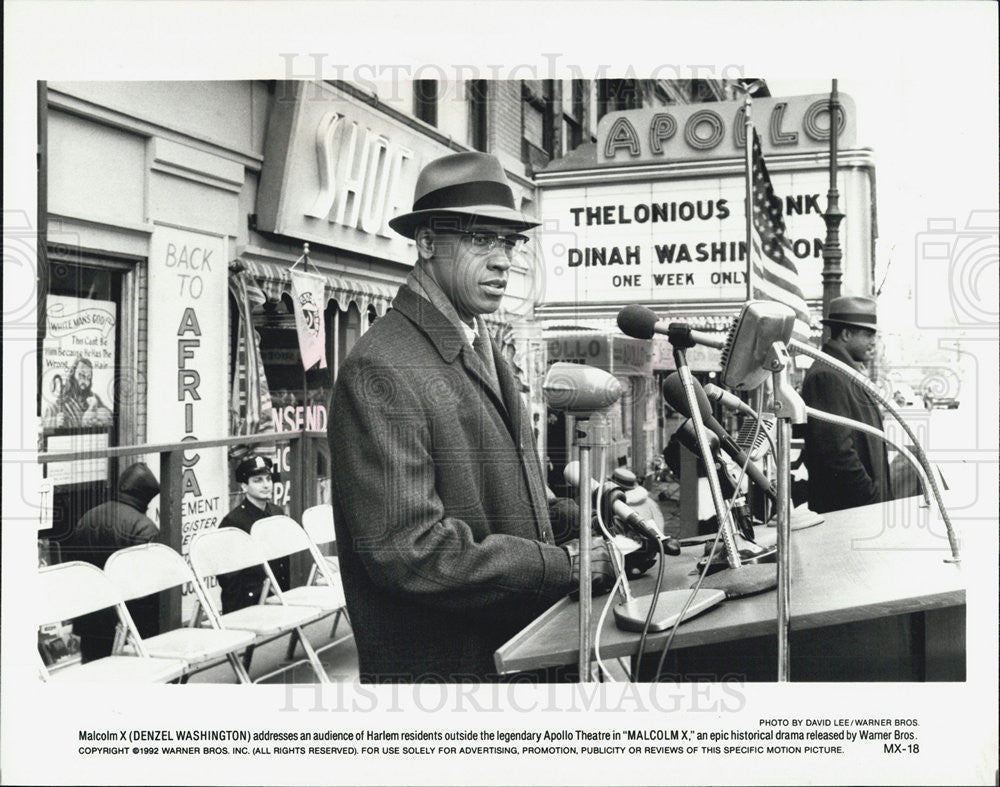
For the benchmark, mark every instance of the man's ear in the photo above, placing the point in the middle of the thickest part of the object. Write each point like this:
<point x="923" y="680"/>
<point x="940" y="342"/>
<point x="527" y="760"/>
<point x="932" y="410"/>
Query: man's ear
<point x="425" y="242"/>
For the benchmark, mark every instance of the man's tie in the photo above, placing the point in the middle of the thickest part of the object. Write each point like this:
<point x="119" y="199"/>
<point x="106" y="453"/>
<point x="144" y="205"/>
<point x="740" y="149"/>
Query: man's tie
<point x="482" y="347"/>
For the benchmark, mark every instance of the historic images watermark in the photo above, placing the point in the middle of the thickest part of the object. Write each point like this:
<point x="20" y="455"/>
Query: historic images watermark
<point x="386" y="79"/>
<point x="23" y="336"/>
<point x="713" y="695"/>
<point x="955" y="277"/>
<point x="949" y="401"/>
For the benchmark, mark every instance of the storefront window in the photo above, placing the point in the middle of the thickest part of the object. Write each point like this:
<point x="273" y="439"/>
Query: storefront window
<point x="299" y="397"/>
<point x="81" y="373"/>
<point x="350" y="330"/>
<point x="291" y="398"/>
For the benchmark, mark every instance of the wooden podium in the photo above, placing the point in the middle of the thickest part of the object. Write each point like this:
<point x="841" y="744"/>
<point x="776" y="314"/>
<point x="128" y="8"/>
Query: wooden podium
<point x="883" y="562"/>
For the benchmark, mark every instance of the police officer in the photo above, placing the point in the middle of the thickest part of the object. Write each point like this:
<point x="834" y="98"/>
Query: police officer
<point x="255" y="475"/>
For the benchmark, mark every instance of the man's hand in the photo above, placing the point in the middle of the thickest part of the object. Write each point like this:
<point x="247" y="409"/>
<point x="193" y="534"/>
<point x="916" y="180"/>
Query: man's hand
<point x="602" y="572"/>
<point x="564" y="516"/>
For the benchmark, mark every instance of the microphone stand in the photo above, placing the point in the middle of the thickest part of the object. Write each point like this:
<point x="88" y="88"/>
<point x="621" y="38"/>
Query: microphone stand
<point x="680" y="339"/>
<point x="790" y="409"/>
<point x="592" y="431"/>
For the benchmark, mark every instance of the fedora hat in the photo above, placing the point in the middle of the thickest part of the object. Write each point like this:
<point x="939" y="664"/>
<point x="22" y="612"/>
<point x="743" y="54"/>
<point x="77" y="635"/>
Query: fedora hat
<point x="852" y="310"/>
<point x="461" y="187"/>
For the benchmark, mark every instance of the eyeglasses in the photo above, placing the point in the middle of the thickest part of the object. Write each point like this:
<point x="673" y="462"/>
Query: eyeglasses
<point x="484" y="242"/>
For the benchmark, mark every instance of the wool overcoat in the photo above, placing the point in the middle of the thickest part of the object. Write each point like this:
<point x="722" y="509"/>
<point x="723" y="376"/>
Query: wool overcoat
<point x="443" y="534"/>
<point x="847" y="468"/>
<point x="105" y="529"/>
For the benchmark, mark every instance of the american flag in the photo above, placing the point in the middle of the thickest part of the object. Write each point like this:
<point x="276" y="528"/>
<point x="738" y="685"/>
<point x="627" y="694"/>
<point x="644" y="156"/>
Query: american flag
<point x="251" y="399"/>
<point x="775" y="277"/>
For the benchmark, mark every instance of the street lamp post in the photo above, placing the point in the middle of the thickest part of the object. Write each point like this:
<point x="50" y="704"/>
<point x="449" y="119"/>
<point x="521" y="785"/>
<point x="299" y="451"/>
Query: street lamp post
<point x="832" y="254"/>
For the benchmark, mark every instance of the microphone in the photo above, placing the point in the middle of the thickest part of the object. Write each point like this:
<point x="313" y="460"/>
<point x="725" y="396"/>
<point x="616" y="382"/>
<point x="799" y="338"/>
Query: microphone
<point x="728" y="400"/>
<point x="580" y="390"/>
<point x="757" y="571"/>
<point x="745" y="355"/>
<point x="641" y="323"/>
<point x="755" y="447"/>
<point x="798" y="518"/>
<point x="686" y="436"/>
<point x="673" y="392"/>
<point x="644" y="527"/>
<point x="663" y="610"/>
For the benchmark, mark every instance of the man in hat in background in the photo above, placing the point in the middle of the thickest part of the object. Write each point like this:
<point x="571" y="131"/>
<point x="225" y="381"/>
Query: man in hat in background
<point x="847" y="468"/>
<point x="240" y="589"/>
<point x="443" y="531"/>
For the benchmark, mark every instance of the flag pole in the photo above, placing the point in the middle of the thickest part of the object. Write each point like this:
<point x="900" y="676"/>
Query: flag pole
<point x="748" y="163"/>
<point x="757" y="397"/>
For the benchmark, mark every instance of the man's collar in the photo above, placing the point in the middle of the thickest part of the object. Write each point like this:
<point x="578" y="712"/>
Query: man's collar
<point x="253" y="503"/>
<point x="838" y="352"/>
<point x="445" y="335"/>
<point x="422" y="283"/>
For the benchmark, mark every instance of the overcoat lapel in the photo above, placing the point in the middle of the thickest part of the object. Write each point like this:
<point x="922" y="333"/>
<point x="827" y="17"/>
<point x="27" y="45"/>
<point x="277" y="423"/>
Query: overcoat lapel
<point x="503" y="393"/>
<point x="450" y="343"/>
<point x="523" y="437"/>
<point x="475" y="366"/>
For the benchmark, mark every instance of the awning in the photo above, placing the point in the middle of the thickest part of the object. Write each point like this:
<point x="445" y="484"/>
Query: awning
<point x="555" y="321"/>
<point x="275" y="281"/>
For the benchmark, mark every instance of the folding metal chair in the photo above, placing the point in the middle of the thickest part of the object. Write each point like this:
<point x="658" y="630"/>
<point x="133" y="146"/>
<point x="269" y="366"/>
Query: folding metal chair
<point x="69" y="590"/>
<point x="150" y="568"/>
<point x="229" y="549"/>
<point x="317" y="521"/>
<point x="280" y="536"/>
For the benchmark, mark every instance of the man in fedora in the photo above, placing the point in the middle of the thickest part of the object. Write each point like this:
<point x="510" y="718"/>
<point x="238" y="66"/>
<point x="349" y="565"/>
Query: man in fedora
<point x="847" y="468"/>
<point x="443" y="531"/>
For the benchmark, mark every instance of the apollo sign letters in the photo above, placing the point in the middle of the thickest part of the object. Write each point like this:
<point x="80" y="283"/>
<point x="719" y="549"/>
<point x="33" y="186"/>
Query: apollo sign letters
<point x="677" y="232"/>
<point x="717" y="130"/>
<point x="612" y="352"/>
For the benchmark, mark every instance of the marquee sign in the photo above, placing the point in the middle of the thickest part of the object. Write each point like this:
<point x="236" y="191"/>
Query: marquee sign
<point x="717" y="130"/>
<point x="683" y="238"/>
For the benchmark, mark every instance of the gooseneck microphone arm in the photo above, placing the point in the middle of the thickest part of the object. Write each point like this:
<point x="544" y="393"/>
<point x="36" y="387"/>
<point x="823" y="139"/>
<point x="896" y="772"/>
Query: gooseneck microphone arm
<point x="733" y="402"/>
<point x="864" y="382"/>
<point x="850" y="423"/>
